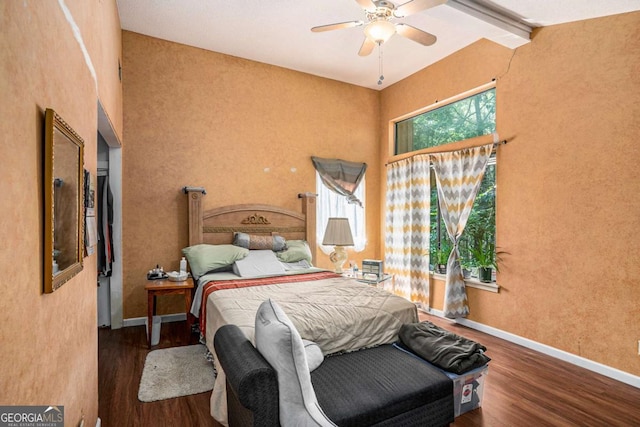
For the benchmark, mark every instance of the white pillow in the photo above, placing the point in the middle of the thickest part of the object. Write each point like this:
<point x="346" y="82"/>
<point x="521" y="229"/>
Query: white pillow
<point x="280" y="344"/>
<point x="258" y="263"/>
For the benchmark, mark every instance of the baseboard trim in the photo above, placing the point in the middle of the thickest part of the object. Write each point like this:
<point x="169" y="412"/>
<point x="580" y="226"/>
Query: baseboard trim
<point x="166" y="318"/>
<point x="599" y="368"/>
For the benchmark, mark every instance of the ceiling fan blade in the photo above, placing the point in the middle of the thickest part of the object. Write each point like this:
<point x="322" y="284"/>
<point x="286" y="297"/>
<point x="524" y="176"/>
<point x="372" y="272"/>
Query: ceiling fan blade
<point x="414" y="6"/>
<point x="367" y="47"/>
<point x="415" y="34"/>
<point x="367" y="5"/>
<point x="337" y="26"/>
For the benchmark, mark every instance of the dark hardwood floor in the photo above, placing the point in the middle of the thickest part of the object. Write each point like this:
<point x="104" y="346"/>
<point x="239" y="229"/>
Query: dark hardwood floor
<point x="523" y="387"/>
<point x="527" y="388"/>
<point x="121" y="356"/>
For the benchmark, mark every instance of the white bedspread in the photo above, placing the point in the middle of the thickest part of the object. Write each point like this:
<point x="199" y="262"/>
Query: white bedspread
<point x="339" y="314"/>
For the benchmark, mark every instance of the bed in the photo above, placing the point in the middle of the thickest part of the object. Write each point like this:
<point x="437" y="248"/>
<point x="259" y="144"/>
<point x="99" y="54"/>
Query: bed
<point x="339" y="314"/>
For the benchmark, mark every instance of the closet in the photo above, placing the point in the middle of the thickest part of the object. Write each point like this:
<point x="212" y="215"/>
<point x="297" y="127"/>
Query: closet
<point x="104" y="222"/>
<point x="109" y="225"/>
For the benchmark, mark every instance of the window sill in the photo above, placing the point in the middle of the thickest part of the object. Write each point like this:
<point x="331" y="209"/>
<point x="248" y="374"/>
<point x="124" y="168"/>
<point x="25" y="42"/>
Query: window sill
<point x="471" y="282"/>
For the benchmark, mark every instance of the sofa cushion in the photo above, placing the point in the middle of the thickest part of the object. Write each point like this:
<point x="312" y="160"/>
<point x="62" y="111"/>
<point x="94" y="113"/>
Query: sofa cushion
<point x="281" y="345"/>
<point x="380" y="386"/>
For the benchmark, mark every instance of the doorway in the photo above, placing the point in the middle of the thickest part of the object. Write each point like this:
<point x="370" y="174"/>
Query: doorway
<point x="110" y="171"/>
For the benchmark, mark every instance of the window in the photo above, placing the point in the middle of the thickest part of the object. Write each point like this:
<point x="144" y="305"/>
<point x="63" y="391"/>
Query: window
<point x="463" y="119"/>
<point x="330" y="204"/>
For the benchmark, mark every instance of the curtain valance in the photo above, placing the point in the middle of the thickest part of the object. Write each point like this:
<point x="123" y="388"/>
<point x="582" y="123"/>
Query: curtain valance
<point x="340" y="176"/>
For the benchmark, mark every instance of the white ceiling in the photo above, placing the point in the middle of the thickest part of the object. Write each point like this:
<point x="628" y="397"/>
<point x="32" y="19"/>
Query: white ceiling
<point x="278" y="32"/>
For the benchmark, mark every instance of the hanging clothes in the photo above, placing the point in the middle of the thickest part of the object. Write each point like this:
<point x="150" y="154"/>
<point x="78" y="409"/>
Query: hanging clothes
<point x="105" y="227"/>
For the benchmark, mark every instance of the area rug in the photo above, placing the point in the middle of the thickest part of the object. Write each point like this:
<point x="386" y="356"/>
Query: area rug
<point x="174" y="372"/>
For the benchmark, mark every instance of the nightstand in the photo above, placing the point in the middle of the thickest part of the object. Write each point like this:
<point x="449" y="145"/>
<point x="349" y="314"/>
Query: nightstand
<point x="157" y="288"/>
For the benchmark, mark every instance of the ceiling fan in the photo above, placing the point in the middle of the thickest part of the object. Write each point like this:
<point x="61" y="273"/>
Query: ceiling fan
<point x="379" y="27"/>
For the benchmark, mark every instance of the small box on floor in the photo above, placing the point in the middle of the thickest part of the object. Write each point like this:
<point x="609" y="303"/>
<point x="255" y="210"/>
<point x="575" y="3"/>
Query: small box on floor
<point x="468" y="389"/>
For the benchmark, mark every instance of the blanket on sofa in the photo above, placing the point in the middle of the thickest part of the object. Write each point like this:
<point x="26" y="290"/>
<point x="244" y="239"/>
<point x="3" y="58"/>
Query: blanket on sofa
<point x="442" y="348"/>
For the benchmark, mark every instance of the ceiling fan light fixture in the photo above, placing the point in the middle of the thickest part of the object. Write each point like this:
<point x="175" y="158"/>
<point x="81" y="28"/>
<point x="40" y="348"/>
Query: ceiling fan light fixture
<point x="380" y="31"/>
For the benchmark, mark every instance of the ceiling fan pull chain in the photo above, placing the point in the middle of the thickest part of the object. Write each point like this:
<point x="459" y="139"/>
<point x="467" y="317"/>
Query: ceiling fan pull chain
<point x="380" y="64"/>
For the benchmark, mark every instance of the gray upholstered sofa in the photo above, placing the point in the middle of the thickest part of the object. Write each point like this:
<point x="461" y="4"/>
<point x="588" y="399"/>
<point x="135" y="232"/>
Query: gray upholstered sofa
<point x="381" y="386"/>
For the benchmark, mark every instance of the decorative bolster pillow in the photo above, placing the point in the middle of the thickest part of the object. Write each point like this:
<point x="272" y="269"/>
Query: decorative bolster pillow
<point x="252" y="241"/>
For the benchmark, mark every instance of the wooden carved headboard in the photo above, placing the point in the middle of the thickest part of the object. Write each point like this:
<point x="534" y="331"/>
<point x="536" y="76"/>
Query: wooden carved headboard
<point x="216" y="226"/>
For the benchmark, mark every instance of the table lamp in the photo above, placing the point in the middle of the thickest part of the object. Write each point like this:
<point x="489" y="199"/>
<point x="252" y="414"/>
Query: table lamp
<point x="338" y="234"/>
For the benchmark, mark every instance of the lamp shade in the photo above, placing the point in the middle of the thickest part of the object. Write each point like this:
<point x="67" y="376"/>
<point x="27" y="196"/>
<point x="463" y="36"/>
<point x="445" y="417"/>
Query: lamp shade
<point x="338" y="233"/>
<point x="380" y="30"/>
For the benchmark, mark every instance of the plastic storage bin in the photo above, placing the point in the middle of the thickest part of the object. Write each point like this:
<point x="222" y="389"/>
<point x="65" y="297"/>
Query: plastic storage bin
<point x="467" y="389"/>
<point x="157" y="323"/>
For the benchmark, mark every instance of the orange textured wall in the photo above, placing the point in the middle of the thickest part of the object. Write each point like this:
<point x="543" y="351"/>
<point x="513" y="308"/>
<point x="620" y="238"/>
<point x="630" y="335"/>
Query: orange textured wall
<point x="567" y="210"/>
<point x="49" y="350"/>
<point x="195" y="117"/>
<point x="99" y="24"/>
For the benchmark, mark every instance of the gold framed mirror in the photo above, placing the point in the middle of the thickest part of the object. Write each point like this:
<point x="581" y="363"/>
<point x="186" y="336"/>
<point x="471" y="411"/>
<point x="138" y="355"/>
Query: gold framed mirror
<point x="63" y="202"/>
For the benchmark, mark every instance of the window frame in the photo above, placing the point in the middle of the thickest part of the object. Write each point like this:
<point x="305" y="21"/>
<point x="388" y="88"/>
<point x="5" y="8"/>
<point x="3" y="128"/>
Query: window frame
<point x="437" y="104"/>
<point x="450" y="146"/>
<point x="430" y="128"/>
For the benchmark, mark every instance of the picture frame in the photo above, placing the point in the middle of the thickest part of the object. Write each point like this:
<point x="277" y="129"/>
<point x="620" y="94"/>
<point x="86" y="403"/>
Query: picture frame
<point x="63" y="202"/>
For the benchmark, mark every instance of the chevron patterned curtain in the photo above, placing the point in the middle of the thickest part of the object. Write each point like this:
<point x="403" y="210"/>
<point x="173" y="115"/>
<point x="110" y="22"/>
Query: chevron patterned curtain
<point x="407" y="228"/>
<point x="458" y="177"/>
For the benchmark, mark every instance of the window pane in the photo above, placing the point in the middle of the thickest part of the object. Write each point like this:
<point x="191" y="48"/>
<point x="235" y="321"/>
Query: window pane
<point x="460" y="120"/>
<point x="481" y="225"/>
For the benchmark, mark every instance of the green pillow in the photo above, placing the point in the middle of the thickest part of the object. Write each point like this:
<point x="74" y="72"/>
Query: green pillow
<point x="297" y="250"/>
<point x="204" y="258"/>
